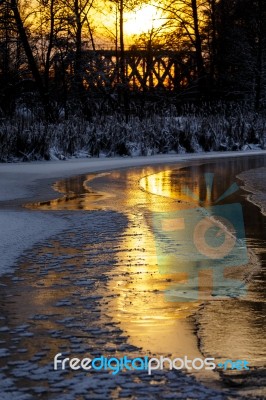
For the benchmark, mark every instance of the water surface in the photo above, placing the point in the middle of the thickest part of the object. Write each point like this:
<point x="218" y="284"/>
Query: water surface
<point x="227" y="328"/>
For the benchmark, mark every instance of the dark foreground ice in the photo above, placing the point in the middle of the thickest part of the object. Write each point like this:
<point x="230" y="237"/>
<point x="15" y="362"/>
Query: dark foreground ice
<point x="54" y="304"/>
<point x="62" y="299"/>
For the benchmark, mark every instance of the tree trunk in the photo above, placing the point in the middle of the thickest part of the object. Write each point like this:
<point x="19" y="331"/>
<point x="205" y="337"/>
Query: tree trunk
<point x="213" y="48"/>
<point x="49" y="115"/>
<point x="198" y="47"/>
<point x="124" y="89"/>
<point x="78" y="69"/>
<point x="50" y="47"/>
<point x="259" y="66"/>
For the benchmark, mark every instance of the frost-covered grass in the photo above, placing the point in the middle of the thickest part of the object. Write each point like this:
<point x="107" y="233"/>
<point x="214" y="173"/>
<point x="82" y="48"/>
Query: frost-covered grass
<point x="25" y="137"/>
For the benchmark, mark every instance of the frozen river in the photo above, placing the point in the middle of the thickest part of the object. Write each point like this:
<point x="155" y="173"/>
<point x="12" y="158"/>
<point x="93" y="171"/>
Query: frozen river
<point x="107" y="284"/>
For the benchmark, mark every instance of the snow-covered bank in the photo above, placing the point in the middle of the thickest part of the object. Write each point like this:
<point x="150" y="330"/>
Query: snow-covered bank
<point x="21" y="229"/>
<point x="255" y="182"/>
<point x="226" y="128"/>
<point x="17" y="179"/>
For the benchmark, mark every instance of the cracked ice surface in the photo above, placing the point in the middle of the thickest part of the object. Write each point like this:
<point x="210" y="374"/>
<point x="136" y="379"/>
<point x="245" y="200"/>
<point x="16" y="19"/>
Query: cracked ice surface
<point x="35" y="328"/>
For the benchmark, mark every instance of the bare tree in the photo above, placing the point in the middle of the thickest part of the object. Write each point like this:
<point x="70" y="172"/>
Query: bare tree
<point x="31" y="60"/>
<point x="241" y="49"/>
<point x="76" y="15"/>
<point x="187" y="19"/>
<point x="8" y="58"/>
<point x="261" y="54"/>
<point x="40" y="76"/>
<point x="123" y="90"/>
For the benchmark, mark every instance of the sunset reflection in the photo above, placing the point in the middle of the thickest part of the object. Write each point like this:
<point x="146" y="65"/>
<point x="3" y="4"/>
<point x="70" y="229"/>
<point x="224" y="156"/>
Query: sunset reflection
<point x="152" y="322"/>
<point x="140" y="300"/>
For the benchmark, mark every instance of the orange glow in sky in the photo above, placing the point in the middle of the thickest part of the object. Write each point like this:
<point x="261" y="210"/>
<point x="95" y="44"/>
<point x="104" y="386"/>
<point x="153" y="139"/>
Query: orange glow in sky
<point x="142" y="20"/>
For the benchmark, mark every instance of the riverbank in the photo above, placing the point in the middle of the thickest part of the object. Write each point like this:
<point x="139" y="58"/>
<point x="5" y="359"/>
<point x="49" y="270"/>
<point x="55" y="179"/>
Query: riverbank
<point x="255" y="183"/>
<point x="48" y="303"/>
<point x="22" y="182"/>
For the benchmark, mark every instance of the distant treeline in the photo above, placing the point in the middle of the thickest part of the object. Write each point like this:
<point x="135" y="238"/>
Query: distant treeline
<point x="206" y="51"/>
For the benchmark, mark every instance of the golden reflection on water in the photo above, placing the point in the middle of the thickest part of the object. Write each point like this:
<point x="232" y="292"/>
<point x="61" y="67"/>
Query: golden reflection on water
<point x="140" y="305"/>
<point x="116" y="190"/>
<point x="151" y="321"/>
<point x="76" y="195"/>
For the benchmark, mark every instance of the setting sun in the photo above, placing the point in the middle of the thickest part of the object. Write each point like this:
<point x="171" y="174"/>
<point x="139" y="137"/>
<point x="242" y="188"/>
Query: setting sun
<point x="142" y="20"/>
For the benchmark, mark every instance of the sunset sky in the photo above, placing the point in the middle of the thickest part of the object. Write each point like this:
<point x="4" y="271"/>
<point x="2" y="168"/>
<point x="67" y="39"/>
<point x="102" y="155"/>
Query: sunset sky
<point x="142" y="20"/>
